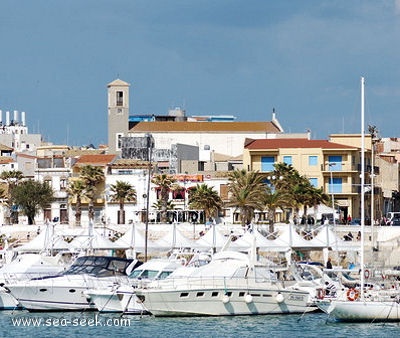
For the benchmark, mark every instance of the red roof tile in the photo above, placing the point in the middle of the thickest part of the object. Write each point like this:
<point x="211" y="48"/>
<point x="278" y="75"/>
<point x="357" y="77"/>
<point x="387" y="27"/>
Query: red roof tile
<point x="94" y="159"/>
<point x="295" y="143"/>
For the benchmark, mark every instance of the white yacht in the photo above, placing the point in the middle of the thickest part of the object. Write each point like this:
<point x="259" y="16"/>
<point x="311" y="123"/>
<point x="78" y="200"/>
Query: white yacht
<point x="26" y="266"/>
<point x="121" y="297"/>
<point x="233" y="283"/>
<point x="65" y="291"/>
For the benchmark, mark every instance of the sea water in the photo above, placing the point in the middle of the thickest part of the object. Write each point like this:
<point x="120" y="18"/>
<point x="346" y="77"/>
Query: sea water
<point x="94" y="324"/>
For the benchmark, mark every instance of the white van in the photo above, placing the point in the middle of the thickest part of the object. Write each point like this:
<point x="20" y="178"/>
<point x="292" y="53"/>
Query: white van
<point x="392" y="214"/>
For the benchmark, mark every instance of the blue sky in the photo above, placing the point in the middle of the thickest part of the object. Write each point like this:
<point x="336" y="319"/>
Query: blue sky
<point x="243" y="58"/>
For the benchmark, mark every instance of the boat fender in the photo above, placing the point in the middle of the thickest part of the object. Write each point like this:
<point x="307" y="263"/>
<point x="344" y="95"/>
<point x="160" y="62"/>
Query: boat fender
<point x="366" y="274"/>
<point x="321" y="293"/>
<point x="280" y="298"/>
<point x="248" y="299"/>
<point x="225" y="299"/>
<point x="352" y="294"/>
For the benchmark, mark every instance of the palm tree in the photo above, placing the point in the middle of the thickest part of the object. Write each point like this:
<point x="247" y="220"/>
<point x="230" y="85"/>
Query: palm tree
<point x="164" y="182"/>
<point x="297" y="188"/>
<point x="91" y="176"/>
<point x="313" y="197"/>
<point x="205" y="198"/>
<point x="247" y="193"/>
<point x="123" y="192"/>
<point x="76" y="189"/>
<point x="274" y="199"/>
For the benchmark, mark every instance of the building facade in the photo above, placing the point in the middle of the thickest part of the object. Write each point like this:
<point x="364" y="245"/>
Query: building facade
<point x="331" y="166"/>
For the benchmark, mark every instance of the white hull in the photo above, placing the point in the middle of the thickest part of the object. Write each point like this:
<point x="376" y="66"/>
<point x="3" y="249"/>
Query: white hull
<point x="361" y="311"/>
<point x="52" y="298"/>
<point x="116" y="301"/>
<point x="7" y="301"/>
<point x="214" y="302"/>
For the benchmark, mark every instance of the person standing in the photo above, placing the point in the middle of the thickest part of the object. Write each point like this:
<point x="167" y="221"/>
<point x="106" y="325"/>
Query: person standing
<point x="329" y="264"/>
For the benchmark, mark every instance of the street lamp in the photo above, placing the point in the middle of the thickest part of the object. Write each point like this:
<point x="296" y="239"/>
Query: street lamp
<point x="150" y="145"/>
<point x="331" y="164"/>
<point x="374" y="139"/>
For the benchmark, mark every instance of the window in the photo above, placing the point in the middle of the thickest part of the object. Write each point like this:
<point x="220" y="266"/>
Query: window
<point x="120" y="98"/>
<point x="314" y="182"/>
<point x="335" y="185"/>
<point x="267" y="163"/>
<point x="287" y="160"/>
<point x="312" y="160"/>
<point x="119" y="141"/>
<point x="63" y="183"/>
<point x="335" y="163"/>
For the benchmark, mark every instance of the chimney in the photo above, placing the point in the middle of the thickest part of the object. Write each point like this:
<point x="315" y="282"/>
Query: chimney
<point x="23" y="118"/>
<point x="1" y="116"/>
<point x="7" y="118"/>
<point x="15" y="117"/>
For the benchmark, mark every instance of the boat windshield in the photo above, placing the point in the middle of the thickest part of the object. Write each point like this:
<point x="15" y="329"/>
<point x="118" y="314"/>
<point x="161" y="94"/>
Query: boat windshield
<point x="99" y="266"/>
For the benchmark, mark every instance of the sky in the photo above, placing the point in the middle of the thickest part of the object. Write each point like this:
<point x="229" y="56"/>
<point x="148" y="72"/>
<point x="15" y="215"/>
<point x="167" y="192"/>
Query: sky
<point x="210" y="57"/>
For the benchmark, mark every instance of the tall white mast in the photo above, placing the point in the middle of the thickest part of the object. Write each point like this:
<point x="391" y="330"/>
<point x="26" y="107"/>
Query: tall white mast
<point x="362" y="188"/>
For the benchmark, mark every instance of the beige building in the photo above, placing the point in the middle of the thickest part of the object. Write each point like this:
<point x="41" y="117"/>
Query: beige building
<point x="331" y="166"/>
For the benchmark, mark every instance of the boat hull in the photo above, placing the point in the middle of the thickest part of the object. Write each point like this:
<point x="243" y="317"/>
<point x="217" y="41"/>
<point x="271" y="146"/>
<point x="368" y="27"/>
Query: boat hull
<point x="52" y="298"/>
<point x="216" y="302"/>
<point x="7" y="301"/>
<point x="361" y="311"/>
<point x="119" y="300"/>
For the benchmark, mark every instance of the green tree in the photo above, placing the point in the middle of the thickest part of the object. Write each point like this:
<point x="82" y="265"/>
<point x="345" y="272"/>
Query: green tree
<point x="205" y="198"/>
<point x="297" y="189"/>
<point x="91" y="176"/>
<point x="164" y="182"/>
<point x="123" y="192"/>
<point x="76" y="190"/>
<point x="247" y="193"/>
<point x="31" y="196"/>
<point x="273" y="200"/>
<point x="11" y="178"/>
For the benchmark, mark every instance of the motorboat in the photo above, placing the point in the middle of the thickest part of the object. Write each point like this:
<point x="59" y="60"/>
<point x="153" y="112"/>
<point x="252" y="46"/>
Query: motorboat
<point x="26" y="266"/>
<point x="122" y="297"/>
<point x="65" y="291"/>
<point x="233" y="283"/>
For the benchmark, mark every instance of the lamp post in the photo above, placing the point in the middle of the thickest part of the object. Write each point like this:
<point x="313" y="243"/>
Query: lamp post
<point x="150" y="145"/>
<point x="272" y="213"/>
<point x="374" y="138"/>
<point x="185" y="181"/>
<point x="331" y="164"/>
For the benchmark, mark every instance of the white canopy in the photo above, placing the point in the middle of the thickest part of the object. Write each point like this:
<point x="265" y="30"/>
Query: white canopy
<point x="214" y="239"/>
<point x="46" y="240"/>
<point x="262" y="242"/>
<point x="175" y="239"/>
<point x="135" y="238"/>
<point x="96" y="241"/>
<point x="290" y="237"/>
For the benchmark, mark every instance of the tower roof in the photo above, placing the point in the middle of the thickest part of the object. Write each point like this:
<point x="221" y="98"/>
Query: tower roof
<point x="118" y="82"/>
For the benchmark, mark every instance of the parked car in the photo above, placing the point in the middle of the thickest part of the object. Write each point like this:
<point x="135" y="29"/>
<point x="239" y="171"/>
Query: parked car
<point x="395" y="221"/>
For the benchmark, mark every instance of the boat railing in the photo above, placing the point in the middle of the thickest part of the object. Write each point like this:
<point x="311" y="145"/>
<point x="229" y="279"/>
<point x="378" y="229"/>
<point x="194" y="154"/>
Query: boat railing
<point x="10" y="278"/>
<point x="211" y="282"/>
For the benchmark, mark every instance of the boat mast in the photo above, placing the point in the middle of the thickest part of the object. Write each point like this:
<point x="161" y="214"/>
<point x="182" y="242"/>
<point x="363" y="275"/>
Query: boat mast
<point x="362" y="189"/>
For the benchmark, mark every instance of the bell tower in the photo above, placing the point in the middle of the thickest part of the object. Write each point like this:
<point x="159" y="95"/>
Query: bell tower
<point x="118" y="114"/>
